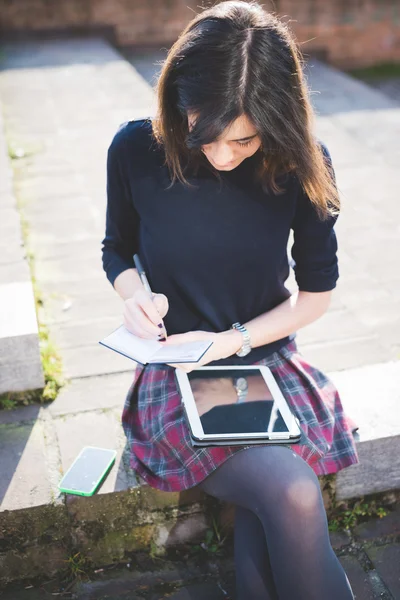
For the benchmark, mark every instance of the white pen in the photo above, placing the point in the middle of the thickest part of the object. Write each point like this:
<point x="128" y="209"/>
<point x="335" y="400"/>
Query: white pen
<point x="146" y="285"/>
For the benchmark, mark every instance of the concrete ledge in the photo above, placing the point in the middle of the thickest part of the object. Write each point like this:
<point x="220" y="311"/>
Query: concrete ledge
<point x="39" y="443"/>
<point x="20" y="363"/>
<point x="371" y="396"/>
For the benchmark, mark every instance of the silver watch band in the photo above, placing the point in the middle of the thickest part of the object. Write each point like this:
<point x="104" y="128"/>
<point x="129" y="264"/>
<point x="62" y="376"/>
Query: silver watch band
<point x="246" y="346"/>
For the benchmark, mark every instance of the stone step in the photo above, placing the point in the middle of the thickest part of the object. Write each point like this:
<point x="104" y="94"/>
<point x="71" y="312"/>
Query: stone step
<point x="38" y="444"/>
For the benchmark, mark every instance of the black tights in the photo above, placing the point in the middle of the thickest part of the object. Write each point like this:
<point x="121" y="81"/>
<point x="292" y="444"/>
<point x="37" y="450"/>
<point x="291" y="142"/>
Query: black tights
<point x="282" y="546"/>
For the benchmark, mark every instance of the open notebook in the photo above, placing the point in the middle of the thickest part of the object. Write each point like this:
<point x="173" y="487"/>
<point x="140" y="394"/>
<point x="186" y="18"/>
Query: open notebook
<point x="147" y="351"/>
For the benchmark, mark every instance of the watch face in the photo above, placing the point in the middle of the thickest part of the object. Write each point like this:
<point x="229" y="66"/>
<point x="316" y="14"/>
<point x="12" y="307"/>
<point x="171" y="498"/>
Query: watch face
<point x="241" y="384"/>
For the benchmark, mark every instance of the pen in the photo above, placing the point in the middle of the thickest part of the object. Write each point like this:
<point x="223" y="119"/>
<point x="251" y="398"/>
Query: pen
<point x="142" y="274"/>
<point x="145" y="282"/>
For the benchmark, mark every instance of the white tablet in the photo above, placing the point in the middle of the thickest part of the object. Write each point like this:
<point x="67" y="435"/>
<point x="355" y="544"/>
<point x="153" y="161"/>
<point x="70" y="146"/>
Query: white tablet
<point x="231" y="403"/>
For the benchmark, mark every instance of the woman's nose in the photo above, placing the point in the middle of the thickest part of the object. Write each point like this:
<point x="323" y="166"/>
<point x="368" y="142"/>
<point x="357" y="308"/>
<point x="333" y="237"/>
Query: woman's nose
<point x="221" y="156"/>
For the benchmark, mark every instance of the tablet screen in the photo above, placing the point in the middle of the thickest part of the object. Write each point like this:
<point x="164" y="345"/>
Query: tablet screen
<point x="235" y="401"/>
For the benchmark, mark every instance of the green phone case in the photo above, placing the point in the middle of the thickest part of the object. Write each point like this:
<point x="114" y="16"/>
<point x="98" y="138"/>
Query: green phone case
<point x="98" y="482"/>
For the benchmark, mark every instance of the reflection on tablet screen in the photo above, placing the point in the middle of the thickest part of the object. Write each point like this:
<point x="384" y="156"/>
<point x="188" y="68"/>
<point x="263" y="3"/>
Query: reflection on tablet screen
<point x="221" y="411"/>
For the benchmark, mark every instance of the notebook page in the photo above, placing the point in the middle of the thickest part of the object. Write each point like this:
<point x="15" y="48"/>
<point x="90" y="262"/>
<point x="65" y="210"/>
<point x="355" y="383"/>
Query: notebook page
<point x="131" y="345"/>
<point x="179" y="353"/>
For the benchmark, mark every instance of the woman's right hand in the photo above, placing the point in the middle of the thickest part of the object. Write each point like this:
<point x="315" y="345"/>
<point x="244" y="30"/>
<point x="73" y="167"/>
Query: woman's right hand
<point x="143" y="315"/>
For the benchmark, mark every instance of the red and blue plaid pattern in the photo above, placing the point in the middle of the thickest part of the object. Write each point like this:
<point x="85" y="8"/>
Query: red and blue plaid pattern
<point x="161" y="451"/>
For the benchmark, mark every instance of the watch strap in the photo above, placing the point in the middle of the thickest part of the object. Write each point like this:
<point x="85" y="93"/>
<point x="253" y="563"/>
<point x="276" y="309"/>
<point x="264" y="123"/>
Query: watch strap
<point x="246" y="346"/>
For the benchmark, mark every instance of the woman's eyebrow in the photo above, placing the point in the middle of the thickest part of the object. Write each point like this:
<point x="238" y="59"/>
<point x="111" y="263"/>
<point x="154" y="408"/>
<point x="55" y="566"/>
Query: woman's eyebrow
<point x="250" y="137"/>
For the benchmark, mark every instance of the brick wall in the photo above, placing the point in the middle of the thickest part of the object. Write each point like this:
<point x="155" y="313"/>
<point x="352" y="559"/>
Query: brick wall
<point x="347" y="33"/>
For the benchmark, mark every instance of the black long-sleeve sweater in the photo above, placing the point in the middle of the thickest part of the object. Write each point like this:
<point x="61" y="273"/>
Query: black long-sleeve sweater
<point x="219" y="254"/>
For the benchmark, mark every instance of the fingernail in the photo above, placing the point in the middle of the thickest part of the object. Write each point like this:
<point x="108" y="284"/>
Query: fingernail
<point x="160" y="325"/>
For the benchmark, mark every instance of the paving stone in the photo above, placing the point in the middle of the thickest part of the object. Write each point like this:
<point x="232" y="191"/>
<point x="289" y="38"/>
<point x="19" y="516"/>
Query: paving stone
<point x="333" y="326"/>
<point x="339" y="93"/>
<point x="92" y="393"/>
<point x="359" y="580"/>
<point x="359" y="390"/>
<point x="16" y="271"/>
<point x="24" y="479"/>
<point x="346" y="354"/>
<point x="93" y="428"/>
<point x="66" y="269"/>
<point x="71" y="308"/>
<point x="57" y="249"/>
<point x="21" y="414"/>
<point x="87" y="361"/>
<point x="387" y="560"/>
<point x="161" y="582"/>
<point x="339" y="539"/>
<point x="86" y="332"/>
<point x="377" y="528"/>
<point x="11" y="251"/>
<point x="197" y="591"/>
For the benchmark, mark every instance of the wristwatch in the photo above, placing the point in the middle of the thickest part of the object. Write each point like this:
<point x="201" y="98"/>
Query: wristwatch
<point x="241" y="386"/>
<point x="246" y="347"/>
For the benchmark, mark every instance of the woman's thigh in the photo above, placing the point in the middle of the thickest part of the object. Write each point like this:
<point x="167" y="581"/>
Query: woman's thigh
<point x="263" y="476"/>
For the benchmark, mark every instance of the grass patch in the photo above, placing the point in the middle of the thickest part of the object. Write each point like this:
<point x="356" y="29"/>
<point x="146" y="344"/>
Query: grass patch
<point x="77" y="566"/>
<point x="347" y="515"/>
<point x="213" y="543"/>
<point x="376" y="72"/>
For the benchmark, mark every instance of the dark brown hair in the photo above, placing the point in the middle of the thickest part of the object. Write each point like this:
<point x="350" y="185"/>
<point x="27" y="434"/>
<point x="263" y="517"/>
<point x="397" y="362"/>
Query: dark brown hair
<point x="232" y="59"/>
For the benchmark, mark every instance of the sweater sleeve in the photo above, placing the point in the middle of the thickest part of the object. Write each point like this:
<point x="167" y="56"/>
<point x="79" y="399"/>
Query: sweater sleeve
<point x="314" y="250"/>
<point x="122" y="221"/>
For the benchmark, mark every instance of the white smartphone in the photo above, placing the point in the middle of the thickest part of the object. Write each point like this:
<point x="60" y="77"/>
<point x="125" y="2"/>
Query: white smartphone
<point x="236" y="404"/>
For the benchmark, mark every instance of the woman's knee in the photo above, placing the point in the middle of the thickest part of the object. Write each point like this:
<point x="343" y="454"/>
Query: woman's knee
<point x="302" y="495"/>
<point x="295" y="485"/>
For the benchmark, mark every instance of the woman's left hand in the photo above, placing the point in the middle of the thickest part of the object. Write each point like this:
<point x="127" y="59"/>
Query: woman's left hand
<point x="224" y="344"/>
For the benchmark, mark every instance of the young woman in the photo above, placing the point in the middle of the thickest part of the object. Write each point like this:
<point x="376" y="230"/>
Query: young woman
<point x="207" y="193"/>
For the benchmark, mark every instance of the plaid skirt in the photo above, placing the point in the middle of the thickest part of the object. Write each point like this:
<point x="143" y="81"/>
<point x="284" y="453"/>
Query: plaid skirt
<point x="161" y="452"/>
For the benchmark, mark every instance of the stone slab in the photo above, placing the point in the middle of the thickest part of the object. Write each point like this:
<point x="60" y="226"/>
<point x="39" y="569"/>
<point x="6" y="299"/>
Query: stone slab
<point x="339" y="539"/>
<point x="95" y="428"/>
<point x="387" y="561"/>
<point x="388" y="526"/>
<point x="371" y="394"/>
<point x="14" y="271"/>
<point x="43" y="561"/>
<point x="339" y="93"/>
<point x="22" y="414"/>
<point x="17" y="315"/>
<point x="20" y="362"/>
<point x="334" y="325"/>
<point x="341" y="355"/>
<point x="85" y="332"/>
<point x="92" y="393"/>
<point x="24" y="478"/>
<point x="358" y="578"/>
<point x="88" y="361"/>
<point x="378" y="470"/>
<point x="196" y="591"/>
<point x="74" y="307"/>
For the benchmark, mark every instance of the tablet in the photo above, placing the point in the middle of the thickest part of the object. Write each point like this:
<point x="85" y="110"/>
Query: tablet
<point x="236" y="403"/>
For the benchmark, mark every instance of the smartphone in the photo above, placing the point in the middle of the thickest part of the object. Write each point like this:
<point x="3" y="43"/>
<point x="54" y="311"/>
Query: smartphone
<point x="87" y="471"/>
